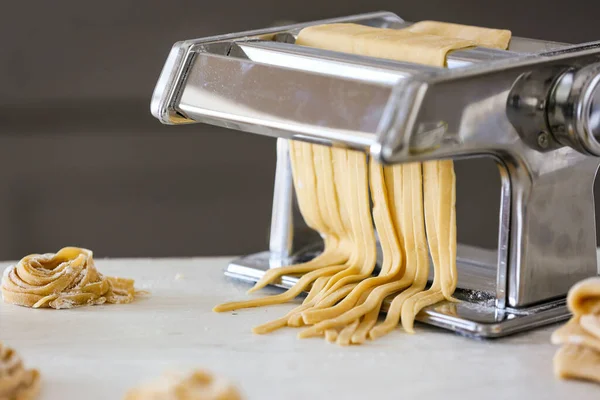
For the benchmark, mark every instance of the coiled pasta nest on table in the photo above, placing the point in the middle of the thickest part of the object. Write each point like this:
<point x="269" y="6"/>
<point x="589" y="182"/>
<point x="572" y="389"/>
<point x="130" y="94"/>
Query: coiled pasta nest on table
<point x="66" y="279"/>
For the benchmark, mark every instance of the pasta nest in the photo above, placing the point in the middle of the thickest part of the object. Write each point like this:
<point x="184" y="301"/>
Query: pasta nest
<point x="66" y="279"/>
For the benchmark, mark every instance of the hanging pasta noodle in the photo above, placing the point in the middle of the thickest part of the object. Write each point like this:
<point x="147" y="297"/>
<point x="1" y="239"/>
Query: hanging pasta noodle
<point x="341" y="179"/>
<point x="351" y="193"/>
<point x="415" y="44"/>
<point x="413" y="206"/>
<point x="439" y="194"/>
<point x="392" y="266"/>
<point x="337" y="241"/>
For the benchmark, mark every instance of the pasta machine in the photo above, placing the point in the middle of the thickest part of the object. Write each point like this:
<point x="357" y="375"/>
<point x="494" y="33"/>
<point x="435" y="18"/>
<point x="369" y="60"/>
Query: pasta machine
<point x="535" y="109"/>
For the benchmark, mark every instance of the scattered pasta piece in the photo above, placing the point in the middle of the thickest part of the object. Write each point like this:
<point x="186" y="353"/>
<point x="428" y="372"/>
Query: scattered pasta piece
<point x="16" y="382"/>
<point x="579" y="356"/>
<point x="197" y="385"/>
<point x="577" y="362"/>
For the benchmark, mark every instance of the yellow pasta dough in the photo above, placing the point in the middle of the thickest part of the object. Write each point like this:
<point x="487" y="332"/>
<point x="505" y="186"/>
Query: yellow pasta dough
<point x="584" y="297"/>
<point x="439" y="185"/>
<point x="197" y="385"/>
<point x="573" y="332"/>
<point x="66" y="279"/>
<point x="336" y="236"/>
<point x="344" y="312"/>
<point x="392" y="44"/>
<point x="577" y="362"/>
<point x="351" y="193"/>
<point x="413" y="207"/>
<point x="484" y="37"/>
<point x="579" y="356"/>
<point x="16" y="382"/>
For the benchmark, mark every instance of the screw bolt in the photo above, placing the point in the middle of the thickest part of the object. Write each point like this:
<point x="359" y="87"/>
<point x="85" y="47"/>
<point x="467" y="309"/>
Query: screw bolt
<point x="543" y="140"/>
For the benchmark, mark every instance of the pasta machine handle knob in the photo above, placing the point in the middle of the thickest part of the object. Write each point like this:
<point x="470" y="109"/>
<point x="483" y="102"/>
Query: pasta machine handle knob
<point x="573" y="109"/>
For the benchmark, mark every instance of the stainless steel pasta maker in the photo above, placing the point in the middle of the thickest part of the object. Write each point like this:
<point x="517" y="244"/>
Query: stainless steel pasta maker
<point x="535" y="109"/>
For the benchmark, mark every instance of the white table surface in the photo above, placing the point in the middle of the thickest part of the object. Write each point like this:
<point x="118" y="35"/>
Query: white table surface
<point x="98" y="352"/>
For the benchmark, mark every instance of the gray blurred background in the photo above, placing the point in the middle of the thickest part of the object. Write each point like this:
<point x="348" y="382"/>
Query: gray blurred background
<point x="84" y="163"/>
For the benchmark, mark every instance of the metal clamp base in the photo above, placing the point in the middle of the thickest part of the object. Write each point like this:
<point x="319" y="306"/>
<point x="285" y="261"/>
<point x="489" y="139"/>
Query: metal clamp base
<point x="475" y="315"/>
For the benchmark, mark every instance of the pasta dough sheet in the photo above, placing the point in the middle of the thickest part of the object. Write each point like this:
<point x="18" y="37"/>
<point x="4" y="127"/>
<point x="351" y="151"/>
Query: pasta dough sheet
<point x="197" y="385"/>
<point x="392" y="44"/>
<point x="66" y="279"/>
<point x="413" y="207"/>
<point x="483" y="37"/>
<point x="16" y="382"/>
<point x="579" y="356"/>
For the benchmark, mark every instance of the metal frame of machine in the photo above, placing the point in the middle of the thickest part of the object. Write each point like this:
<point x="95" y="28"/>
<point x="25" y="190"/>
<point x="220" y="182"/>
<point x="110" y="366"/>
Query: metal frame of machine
<point x="535" y="109"/>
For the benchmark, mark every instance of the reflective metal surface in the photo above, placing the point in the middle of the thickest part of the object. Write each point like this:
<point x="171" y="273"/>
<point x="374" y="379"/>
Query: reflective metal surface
<point x="489" y="103"/>
<point x="255" y="97"/>
<point x="593" y="113"/>
<point x="282" y="223"/>
<point x="527" y="105"/>
<point x="551" y="241"/>
<point x="165" y="94"/>
<point x="324" y="62"/>
<point x="574" y="109"/>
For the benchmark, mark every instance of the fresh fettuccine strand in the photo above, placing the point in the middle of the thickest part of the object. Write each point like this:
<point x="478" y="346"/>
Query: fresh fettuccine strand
<point x="439" y="190"/>
<point x="416" y="302"/>
<point x="327" y="220"/>
<point x="360" y="194"/>
<point x="439" y="196"/>
<point x="416" y="245"/>
<point x="362" y="245"/>
<point x="313" y="195"/>
<point x="351" y="177"/>
<point x="343" y="312"/>
<point x="399" y="45"/>
<point x="360" y="219"/>
<point x="283" y="321"/>
<point x="294" y="317"/>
